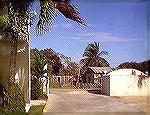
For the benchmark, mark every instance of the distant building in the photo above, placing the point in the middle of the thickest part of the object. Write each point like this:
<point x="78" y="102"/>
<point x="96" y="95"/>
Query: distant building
<point x="124" y="82"/>
<point x="61" y="79"/>
<point x="93" y="74"/>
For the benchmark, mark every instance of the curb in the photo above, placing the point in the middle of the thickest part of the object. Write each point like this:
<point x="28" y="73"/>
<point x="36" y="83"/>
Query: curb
<point x="46" y="105"/>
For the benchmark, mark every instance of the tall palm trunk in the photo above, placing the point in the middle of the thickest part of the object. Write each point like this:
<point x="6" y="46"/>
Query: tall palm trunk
<point x="18" y="26"/>
<point x="14" y="45"/>
<point x="13" y="56"/>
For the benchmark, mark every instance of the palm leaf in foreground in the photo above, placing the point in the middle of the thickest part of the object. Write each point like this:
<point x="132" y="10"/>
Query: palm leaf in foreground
<point x="46" y="17"/>
<point x="48" y="10"/>
<point x="70" y="11"/>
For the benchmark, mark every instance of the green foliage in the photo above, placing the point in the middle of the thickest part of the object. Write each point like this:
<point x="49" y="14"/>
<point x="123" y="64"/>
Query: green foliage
<point x="2" y="89"/>
<point x="69" y="67"/>
<point x="141" y="81"/>
<point x="40" y="58"/>
<point x="37" y="89"/>
<point x="37" y="64"/>
<point x="20" y="9"/>
<point x="55" y="85"/>
<point x="16" y="102"/>
<point x="36" y="109"/>
<point x="142" y="66"/>
<point x="73" y="69"/>
<point x="92" y="57"/>
<point x="52" y="59"/>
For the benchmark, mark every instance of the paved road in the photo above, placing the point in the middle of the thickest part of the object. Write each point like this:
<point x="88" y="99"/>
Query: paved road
<point x="71" y="100"/>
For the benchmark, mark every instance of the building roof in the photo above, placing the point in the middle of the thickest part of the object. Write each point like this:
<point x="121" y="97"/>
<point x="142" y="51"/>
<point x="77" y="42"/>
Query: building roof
<point x="125" y="72"/>
<point x="101" y="69"/>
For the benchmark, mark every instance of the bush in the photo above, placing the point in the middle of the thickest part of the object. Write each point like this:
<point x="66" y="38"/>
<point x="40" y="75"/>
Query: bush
<point x="55" y="85"/>
<point x="36" y="108"/>
<point x="37" y="90"/>
<point x="16" y="102"/>
<point x="2" y="90"/>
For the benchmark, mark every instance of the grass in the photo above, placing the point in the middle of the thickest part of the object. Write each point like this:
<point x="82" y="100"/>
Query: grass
<point x="1" y="110"/>
<point x="81" y="85"/>
<point x="36" y="110"/>
<point x="55" y="85"/>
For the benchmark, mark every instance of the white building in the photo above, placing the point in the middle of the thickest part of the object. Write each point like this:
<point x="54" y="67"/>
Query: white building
<point x="124" y="82"/>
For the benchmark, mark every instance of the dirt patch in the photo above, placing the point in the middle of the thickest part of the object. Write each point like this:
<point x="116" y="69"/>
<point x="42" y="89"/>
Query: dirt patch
<point x="140" y="102"/>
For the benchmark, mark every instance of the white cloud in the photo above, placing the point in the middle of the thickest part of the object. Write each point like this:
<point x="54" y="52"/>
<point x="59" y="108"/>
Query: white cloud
<point x="101" y="37"/>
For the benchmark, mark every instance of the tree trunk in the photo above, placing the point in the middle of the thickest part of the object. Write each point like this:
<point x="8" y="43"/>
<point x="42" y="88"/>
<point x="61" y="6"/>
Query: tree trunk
<point x="13" y="56"/>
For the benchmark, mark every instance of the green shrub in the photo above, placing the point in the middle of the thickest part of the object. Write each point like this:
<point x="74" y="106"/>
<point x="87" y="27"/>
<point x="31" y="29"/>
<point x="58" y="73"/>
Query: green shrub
<point x="36" y="108"/>
<point x="43" y="96"/>
<point x="37" y="90"/>
<point x="16" y="102"/>
<point x="2" y="89"/>
<point x="1" y="110"/>
<point x="55" y="85"/>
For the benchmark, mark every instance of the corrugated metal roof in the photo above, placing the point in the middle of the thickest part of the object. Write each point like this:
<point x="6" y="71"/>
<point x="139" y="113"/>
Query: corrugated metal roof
<point x="101" y="69"/>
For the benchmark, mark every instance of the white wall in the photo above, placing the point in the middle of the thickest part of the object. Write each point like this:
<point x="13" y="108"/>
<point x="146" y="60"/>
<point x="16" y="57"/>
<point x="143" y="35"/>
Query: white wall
<point x="123" y="83"/>
<point x="22" y="65"/>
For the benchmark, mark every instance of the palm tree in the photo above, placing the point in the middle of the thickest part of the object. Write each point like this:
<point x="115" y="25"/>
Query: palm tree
<point x="15" y="18"/>
<point x="93" y="57"/>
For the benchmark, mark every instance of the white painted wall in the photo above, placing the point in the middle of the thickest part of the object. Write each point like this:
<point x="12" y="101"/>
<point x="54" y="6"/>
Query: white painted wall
<point x="123" y="83"/>
<point x="22" y="65"/>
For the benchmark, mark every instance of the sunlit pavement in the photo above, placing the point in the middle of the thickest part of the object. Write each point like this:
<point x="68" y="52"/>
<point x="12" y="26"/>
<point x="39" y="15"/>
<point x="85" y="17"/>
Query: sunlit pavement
<point x="74" y="100"/>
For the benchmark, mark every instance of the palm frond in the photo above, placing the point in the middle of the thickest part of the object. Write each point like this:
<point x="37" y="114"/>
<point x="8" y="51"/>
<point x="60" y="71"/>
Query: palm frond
<point x="3" y="20"/>
<point x="88" y="53"/>
<point x="70" y="11"/>
<point x="21" y="5"/>
<point x="46" y="17"/>
<point x="3" y="3"/>
<point x="103" y="53"/>
<point x="91" y="50"/>
<point x="103" y="63"/>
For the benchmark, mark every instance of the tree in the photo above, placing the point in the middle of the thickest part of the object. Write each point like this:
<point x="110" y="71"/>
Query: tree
<point x="142" y="66"/>
<point x="15" y="18"/>
<point x="69" y="67"/>
<point x="92" y="57"/>
<point x="73" y="69"/>
<point x="45" y="56"/>
<point x="37" y="64"/>
<point x="52" y="59"/>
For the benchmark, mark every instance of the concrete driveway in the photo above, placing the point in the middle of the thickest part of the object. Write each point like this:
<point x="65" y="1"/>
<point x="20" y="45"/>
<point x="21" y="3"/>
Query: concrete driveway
<point x="73" y="100"/>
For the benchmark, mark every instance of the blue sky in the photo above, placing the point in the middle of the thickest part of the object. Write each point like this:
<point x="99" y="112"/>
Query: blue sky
<point x="120" y="28"/>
